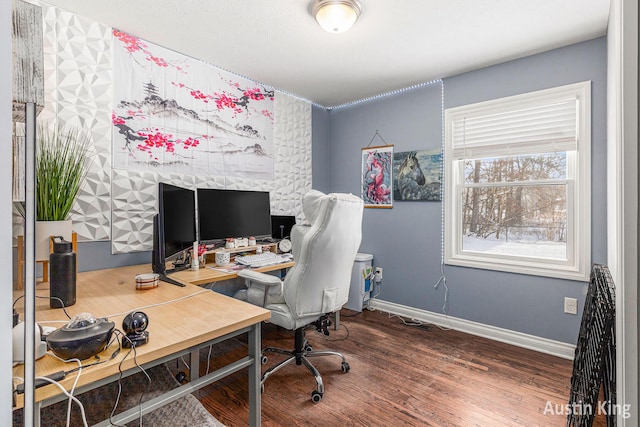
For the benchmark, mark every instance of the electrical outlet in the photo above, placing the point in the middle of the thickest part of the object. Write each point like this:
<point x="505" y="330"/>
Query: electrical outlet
<point x="378" y="275"/>
<point x="570" y="305"/>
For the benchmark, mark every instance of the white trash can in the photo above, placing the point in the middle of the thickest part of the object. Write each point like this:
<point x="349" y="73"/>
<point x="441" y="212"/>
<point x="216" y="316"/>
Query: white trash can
<point x="361" y="282"/>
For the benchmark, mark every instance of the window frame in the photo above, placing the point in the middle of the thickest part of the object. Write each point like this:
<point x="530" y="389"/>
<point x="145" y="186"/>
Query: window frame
<point x="578" y="181"/>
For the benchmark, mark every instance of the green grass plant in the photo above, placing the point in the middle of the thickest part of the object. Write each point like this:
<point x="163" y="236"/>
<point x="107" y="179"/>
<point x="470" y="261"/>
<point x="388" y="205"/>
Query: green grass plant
<point x="62" y="163"/>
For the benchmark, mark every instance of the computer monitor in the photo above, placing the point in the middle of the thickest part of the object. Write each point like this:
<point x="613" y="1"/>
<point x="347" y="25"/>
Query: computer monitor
<point x="233" y="213"/>
<point x="281" y="225"/>
<point x="174" y="227"/>
<point x="158" y="261"/>
<point x="176" y="207"/>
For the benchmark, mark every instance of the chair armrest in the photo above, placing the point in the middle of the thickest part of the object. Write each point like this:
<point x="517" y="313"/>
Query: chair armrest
<point x="261" y="278"/>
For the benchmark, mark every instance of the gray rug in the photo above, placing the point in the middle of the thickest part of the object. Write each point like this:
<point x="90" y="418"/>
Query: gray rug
<point x="98" y="404"/>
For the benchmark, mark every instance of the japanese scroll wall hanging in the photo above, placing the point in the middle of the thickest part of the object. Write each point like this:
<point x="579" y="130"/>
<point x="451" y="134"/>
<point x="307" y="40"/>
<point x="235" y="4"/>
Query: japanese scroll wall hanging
<point x="175" y="114"/>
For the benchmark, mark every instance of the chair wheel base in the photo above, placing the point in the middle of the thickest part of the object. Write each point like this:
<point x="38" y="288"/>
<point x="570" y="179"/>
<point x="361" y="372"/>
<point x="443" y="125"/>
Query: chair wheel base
<point x="316" y="396"/>
<point x="345" y="367"/>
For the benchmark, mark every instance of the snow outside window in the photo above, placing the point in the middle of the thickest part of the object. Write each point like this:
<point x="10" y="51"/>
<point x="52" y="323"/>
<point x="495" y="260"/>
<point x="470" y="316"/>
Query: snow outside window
<point x="517" y="183"/>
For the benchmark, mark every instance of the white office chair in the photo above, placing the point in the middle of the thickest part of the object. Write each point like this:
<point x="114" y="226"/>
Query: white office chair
<point x="318" y="284"/>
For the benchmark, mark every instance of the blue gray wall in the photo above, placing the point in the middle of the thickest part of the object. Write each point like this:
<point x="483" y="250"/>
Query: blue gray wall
<point x="97" y="256"/>
<point x="406" y="240"/>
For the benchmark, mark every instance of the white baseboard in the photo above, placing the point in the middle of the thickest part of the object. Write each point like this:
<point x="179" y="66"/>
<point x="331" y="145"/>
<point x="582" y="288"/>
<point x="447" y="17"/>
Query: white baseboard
<point x="531" y="342"/>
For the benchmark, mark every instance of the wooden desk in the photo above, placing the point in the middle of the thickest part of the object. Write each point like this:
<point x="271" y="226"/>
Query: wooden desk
<point x="208" y="275"/>
<point x="181" y="321"/>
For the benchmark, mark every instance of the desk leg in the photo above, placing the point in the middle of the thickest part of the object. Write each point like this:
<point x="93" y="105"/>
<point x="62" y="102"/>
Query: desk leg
<point x="194" y="365"/>
<point x="36" y="414"/>
<point x="255" y="350"/>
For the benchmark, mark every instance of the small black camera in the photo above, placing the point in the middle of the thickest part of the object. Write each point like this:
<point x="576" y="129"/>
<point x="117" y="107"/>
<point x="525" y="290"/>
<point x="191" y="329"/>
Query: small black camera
<point x="134" y="326"/>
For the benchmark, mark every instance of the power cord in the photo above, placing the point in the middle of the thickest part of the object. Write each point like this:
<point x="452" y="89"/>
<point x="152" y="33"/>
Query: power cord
<point x="372" y="297"/>
<point x="325" y="333"/>
<point x="41" y="297"/>
<point x="115" y="405"/>
<point x="159" y="304"/>
<point x="60" y="375"/>
<point x="208" y="360"/>
<point x="357" y="313"/>
<point x="186" y="365"/>
<point x="135" y="361"/>
<point x="54" y="378"/>
<point x="408" y="322"/>
<point x="73" y="388"/>
<point x="181" y="376"/>
<point x="342" y="325"/>
<point x="418" y="323"/>
<point x="445" y="306"/>
<point x="376" y="284"/>
<point x="66" y="393"/>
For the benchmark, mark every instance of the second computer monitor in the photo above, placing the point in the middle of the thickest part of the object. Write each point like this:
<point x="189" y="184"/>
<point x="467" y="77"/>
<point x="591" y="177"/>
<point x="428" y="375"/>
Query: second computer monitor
<point x="233" y="213"/>
<point x="281" y="225"/>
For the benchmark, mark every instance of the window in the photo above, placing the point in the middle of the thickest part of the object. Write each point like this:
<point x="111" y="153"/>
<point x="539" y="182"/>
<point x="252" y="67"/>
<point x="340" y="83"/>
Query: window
<point x="517" y="182"/>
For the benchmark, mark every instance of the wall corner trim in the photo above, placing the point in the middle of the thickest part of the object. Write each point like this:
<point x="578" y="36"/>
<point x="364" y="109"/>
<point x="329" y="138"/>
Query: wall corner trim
<point x="531" y="342"/>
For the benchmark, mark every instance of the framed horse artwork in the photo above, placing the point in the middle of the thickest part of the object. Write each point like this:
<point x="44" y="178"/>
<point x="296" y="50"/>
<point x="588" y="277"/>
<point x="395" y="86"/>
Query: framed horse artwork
<point x="417" y="175"/>
<point x="376" y="176"/>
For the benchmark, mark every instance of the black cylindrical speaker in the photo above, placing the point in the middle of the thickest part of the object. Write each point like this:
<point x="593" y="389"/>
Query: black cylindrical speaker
<point x="62" y="280"/>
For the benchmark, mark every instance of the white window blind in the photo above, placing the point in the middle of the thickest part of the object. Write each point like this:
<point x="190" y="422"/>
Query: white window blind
<point x="530" y="125"/>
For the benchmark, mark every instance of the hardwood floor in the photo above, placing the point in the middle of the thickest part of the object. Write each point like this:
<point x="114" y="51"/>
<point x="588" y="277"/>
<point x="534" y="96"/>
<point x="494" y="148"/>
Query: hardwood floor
<point x="400" y="375"/>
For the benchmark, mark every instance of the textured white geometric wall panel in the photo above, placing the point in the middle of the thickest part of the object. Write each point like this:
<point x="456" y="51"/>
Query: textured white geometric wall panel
<point x="292" y="131"/>
<point x="78" y="77"/>
<point x="133" y="206"/>
<point x="49" y="20"/>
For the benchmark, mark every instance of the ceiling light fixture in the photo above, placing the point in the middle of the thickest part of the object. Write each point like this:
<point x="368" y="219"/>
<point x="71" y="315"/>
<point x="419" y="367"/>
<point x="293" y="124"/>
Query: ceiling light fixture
<point x="336" y="16"/>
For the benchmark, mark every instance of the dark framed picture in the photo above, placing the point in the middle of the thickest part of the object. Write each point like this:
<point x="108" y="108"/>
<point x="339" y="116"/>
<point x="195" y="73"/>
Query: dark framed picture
<point x="417" y="175"/>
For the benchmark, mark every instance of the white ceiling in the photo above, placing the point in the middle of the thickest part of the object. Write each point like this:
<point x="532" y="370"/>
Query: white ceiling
<point x="395" y="43"/>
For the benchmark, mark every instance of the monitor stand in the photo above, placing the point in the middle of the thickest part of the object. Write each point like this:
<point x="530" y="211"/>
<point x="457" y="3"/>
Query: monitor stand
<point x="168" y="279"/>
<point x="158" y="262"/>
<point x="165" y="275"/>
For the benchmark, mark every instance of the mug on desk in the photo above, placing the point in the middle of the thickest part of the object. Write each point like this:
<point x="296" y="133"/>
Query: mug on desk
<point x="222" y="258"/>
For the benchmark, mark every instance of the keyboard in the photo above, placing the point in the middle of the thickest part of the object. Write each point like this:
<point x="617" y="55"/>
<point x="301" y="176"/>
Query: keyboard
<point x="260" y="260"/>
